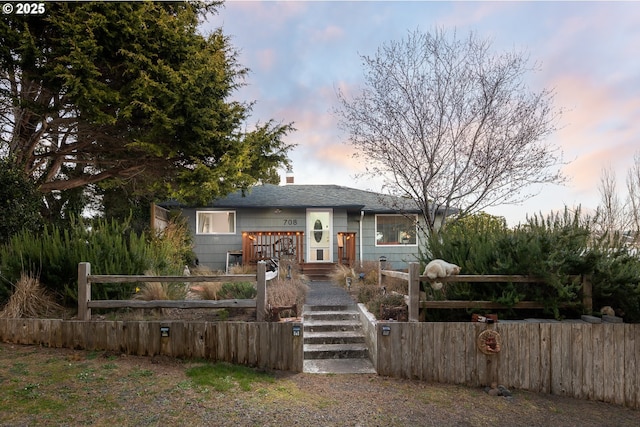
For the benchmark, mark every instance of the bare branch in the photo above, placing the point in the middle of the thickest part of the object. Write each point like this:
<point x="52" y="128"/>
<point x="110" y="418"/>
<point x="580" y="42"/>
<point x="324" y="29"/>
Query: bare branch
<point x="451" y="124"/>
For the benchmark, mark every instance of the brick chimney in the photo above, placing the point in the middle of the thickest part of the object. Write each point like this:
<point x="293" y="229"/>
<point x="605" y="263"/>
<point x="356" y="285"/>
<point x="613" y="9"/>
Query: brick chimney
<point x="289" y="176"/>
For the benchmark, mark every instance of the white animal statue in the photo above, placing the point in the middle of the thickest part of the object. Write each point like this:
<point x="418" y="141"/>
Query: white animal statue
<point x="440" y="268"/>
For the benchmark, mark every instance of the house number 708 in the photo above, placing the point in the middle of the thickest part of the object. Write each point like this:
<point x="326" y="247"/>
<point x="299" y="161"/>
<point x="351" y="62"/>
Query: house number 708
<point x="290" y="222"/>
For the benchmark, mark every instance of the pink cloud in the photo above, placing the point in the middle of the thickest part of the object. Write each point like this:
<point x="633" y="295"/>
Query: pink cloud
<point x="597" y="119"/>
<point x="328" y="33"/>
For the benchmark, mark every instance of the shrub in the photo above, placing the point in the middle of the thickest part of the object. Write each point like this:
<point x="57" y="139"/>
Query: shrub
<point x="172" y="246"/>
<point x="616" y="277"/>
<point x="237" y="290"/>
<point x="552" y="248"/>
<point x="110" y="246"/>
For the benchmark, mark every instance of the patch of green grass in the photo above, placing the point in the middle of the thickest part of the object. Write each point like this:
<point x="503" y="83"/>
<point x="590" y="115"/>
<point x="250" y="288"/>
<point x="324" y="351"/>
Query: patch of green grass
<point x="19" y="368"/>
<point x="184" y="385"/>
<point x="225" y="376"/>
<point x="28" y="392"/>
<point x="92" y="355"/>
<point x="140" y="373"/>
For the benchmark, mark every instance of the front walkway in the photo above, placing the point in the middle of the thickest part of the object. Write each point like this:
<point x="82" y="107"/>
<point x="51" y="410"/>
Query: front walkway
<point x="327" y="293"/>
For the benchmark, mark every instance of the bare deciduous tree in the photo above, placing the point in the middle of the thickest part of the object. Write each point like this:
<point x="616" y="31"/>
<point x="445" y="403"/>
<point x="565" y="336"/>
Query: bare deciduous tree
<point x="633" y="186"/>
<point x="451" y="124"/>
<point x="611" y="213"/>
<point x="615" y="215"/>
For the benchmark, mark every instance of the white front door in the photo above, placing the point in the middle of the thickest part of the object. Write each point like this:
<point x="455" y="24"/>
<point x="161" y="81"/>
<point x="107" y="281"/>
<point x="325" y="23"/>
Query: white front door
<point x="319" y="235"/>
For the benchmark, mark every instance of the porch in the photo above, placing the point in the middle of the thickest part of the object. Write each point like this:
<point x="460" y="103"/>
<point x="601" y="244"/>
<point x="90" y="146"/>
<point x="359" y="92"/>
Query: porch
<point x="265" y="245"/>
<point x="259" y="246"/>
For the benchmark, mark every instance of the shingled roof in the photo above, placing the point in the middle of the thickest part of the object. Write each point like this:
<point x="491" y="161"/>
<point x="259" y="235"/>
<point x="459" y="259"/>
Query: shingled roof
<point x="314" y="196"/>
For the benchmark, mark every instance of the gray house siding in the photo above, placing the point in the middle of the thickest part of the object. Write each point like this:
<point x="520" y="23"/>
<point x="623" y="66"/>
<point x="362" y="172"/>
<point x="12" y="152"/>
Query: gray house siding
<point x="275" y="208"/>
<point x="211" y="249"/>
<point x="398" y="256"/>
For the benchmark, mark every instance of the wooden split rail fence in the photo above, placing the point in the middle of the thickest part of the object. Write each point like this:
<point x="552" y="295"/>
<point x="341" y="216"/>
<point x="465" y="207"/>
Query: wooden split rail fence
<point x="417" y="308"/>
<point x="86" y="280"/>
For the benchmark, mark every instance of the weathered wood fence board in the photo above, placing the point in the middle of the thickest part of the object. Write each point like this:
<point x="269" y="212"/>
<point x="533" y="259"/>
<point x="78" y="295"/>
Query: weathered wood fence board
<point x="581" y="360"/>
<point x="264" y="344"/>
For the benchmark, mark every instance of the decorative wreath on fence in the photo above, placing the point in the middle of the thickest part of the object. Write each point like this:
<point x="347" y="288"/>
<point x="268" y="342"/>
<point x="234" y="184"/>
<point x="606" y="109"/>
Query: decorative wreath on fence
<point x="489" y="341"/>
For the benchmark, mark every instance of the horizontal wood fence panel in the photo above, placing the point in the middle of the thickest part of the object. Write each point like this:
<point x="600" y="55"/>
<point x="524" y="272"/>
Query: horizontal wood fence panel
<point x="396" y="274"/>
<point x="487" y="278"/>
<point x="269" y="345"/>
<point x="117" y="278"/>
<point x="86" y="280"/>
<point x="580" y="360"/>
<point x="232" y="303"/>
<point x="485" y="304"/>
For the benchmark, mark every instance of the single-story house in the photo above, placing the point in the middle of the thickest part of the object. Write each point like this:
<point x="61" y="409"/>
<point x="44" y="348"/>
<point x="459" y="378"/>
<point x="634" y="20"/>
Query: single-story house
<point x="310" y="224"/>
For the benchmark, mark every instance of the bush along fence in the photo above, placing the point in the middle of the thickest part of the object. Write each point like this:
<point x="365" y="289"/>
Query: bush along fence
<point x="596" y="361"/>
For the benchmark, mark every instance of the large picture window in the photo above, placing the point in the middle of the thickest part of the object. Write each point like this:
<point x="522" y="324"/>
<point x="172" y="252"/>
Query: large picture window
<point x="396" y="230"/>
<point x="216" y="222"/>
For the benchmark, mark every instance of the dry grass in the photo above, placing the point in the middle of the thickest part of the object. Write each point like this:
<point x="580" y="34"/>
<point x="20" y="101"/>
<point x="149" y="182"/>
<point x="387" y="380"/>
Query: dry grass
<point x="242" y="269"/>
<point x="31" y="300"/>
<point x="206" y="290"/>
<point x="282" y="293"/>
<point x="365" y="286"/>
<point x="340" y="274"/>
<point x="154" y="291"/>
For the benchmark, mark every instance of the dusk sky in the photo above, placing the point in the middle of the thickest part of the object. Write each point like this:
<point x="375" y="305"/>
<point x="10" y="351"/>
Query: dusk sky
<point x="299" y="53"/>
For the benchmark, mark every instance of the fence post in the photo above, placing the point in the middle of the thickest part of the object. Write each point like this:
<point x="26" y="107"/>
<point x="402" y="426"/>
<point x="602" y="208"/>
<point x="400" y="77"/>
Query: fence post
<point x="84" y="291"/>
<point x="587" y="294"/>
<point x="261" y="296"/>
<point x="414" y="291"/>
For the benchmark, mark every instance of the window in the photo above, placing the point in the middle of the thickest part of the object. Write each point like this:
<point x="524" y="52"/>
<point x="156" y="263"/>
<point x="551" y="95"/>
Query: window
<point x="396" y="230"/>
<point x="216" y="222"/>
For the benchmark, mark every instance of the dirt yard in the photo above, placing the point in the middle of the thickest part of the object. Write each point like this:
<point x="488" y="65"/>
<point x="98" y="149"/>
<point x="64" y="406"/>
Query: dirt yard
<point x="61" y="387"/>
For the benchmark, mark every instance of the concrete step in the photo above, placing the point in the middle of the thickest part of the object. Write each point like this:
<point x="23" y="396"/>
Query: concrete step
<point x="328" y="316"/>
<point x="335" y="351"/>
<point x="331" y="337"/>
<point x="317" y="271"/>
<point x="315" y="308"/>
<point x="338" y="366"/>
<point x="334" y="341"/>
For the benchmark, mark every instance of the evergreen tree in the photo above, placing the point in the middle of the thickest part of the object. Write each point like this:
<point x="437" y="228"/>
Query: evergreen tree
<point x="99" y="91"/>
<point x="21" y="202"/>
